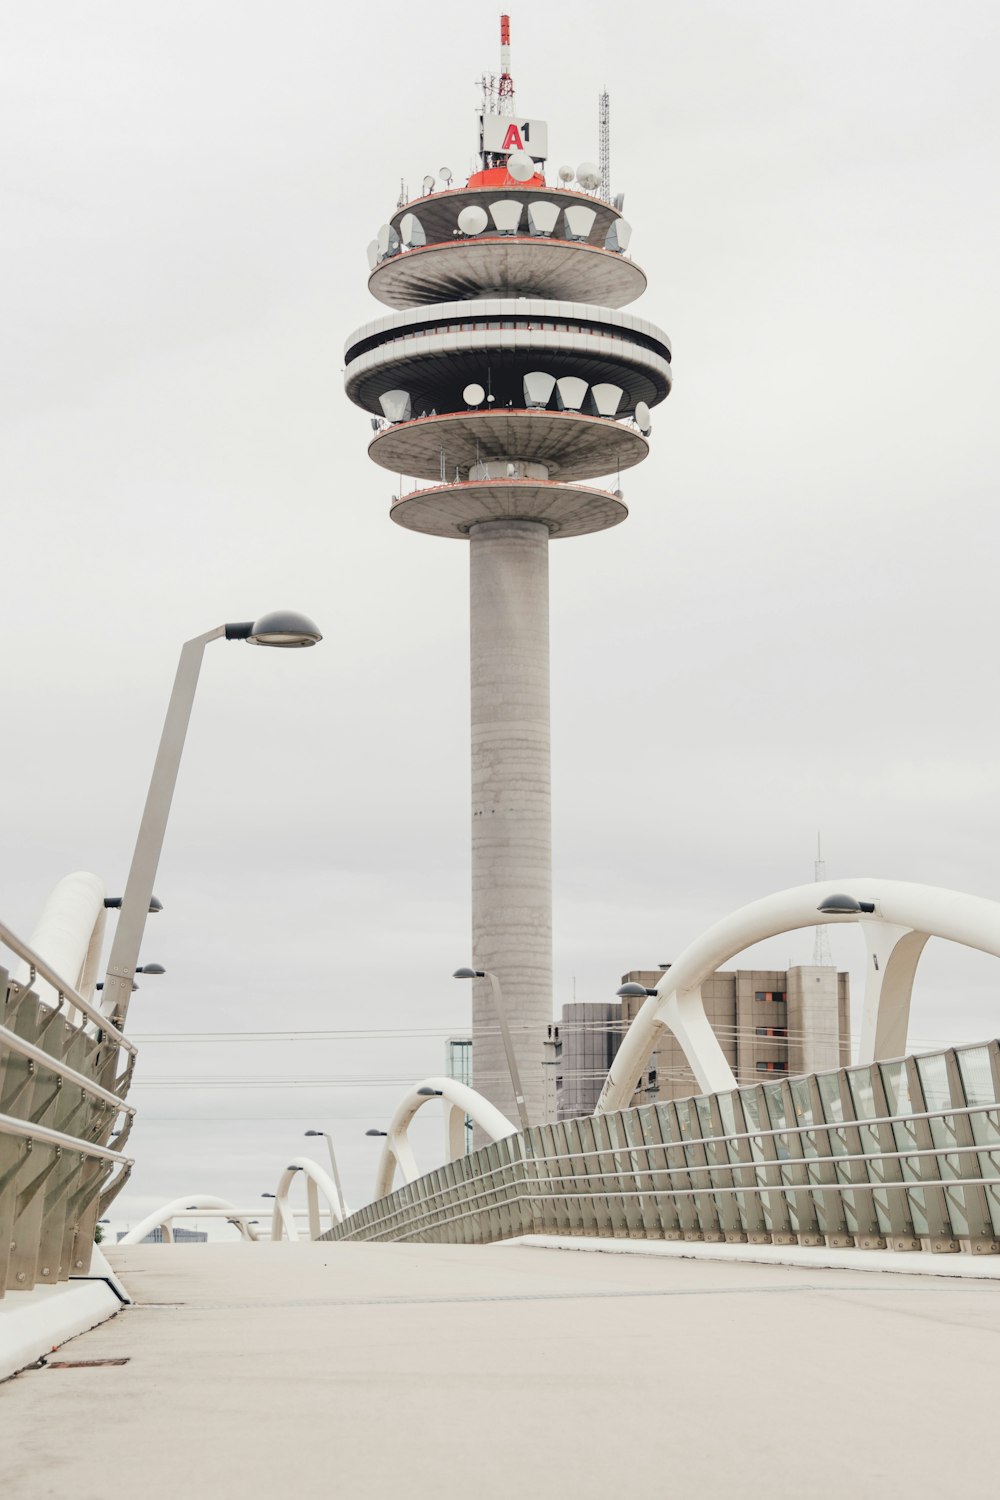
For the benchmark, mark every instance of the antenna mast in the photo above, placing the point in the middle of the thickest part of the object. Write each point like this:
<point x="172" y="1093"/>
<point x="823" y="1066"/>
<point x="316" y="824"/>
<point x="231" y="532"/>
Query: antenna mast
<point x="505" y="88"/>
<point x="822" y="957"/>
<point x="604" y="133"/>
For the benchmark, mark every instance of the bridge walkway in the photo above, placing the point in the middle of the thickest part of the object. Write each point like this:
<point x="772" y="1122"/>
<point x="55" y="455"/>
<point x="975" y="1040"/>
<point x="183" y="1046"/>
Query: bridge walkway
<point x="508" y="1370"/>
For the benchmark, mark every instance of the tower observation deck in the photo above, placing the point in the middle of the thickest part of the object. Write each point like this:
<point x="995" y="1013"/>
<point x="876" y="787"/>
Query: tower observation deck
<point x="504" y="380"/>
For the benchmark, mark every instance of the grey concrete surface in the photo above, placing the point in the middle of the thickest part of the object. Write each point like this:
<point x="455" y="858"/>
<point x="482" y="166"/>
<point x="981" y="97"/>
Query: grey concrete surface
<point x="447" y="1371"/>
<point x="511" y="805"/>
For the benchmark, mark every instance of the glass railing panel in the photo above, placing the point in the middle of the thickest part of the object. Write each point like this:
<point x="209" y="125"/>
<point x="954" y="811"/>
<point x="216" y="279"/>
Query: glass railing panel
<point x="802" y="1100"/>
<point x="933" y="1071"/>
<point x="830" y="1097"/>
<point x="751" y="1113"/>
<point x="862" y="1087"/>
<point x="977" y="1075"/>
<point x="896" y="1085"/>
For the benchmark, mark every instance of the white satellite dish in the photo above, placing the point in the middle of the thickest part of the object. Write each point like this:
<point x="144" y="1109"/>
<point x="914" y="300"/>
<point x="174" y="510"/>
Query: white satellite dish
<point x="473" y="220"/>
<point x="588" y="176"/>
<point x="473" y="395"/>
<point x="428" y="185"/>
<point x="520" y="166"/>
<point x="566" y="174"/>
<point x="445" y="175"/>
<point x="643" y="418"/>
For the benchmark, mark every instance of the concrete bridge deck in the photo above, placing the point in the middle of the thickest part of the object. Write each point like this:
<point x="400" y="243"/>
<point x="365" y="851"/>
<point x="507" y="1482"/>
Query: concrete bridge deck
<point x="385" y="1370"/>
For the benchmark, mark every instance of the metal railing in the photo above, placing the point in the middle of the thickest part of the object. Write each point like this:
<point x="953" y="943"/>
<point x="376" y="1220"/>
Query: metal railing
<point x="903" y="1155"/>
<point x="64" y="1073"/>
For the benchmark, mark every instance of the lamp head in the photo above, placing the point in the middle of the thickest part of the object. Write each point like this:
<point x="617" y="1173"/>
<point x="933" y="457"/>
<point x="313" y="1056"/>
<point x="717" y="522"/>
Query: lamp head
<point x="282" y="627"/>
<point x="314" y="1132"/>
<point x="150" y="969"/>
<point x="376" y="1132"/>
<point x="469" y="974"/>
<point x="113" y="903"/>
<point x="431" y="1093"/>
<point x="839" y="905"/>
<point x="633" y="991"/>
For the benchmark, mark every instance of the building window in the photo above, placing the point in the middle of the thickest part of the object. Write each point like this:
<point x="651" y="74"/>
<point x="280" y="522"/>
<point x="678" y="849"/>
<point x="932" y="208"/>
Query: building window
<point x="769" y="995"/>
<point x="772" y="1067"/>
<point x="770" y="1031"/>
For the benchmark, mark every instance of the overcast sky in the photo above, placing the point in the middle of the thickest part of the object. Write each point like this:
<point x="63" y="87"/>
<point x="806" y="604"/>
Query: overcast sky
<point x="795" y="630"/>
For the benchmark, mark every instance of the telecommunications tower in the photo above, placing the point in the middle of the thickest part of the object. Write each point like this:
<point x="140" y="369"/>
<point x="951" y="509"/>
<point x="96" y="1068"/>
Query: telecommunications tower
<point x="506" y="377"/>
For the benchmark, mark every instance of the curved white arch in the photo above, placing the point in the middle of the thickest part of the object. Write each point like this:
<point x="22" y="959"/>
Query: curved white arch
<point x="68" y="935"/>
<point x="317" y="1181"/>
<point x="905" y="916"/>
<point x="459" y="1101"/>
<point x="162" y="1218"/>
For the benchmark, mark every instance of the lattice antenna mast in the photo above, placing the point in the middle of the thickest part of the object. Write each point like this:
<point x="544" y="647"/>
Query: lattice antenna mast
<point x="822" y="957"/>
<point x="604" y="132"/>
<point x="505" y="88"/>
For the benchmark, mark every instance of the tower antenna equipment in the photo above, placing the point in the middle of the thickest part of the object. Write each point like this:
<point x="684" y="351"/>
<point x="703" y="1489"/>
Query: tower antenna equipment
<point x="822" y="957"/>
<point x="604" y="144"/>
<point x="505" y="88"/>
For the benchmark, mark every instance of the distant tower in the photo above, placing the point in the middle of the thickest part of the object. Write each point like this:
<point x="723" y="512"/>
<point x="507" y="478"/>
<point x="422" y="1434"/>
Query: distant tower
<point x="506" y="377"/>
<point x="822" y="956"/>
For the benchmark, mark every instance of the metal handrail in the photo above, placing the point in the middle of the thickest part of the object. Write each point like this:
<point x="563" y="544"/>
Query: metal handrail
<point x="48" y="1137"/>
<point x="65" y="991"/>
<point x="538" y="1175"/>
<point x="41" y="1058"/>
<point x="610" y="1190"/>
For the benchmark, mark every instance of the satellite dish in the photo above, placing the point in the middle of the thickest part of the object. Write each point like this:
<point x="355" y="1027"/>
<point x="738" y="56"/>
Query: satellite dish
<point x="473" y="395"/>
<point x="643" y="419"/>
<point x="428" y="185"/>
<point x="566" y="174"/>
<point x="520" y="166"/>
<point x="445" y="175"/>
<point x="588" y="176"/>
<point x="473" y="220"/>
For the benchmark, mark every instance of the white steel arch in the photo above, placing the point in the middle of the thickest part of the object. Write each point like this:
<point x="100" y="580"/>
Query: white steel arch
<point x="905" y="915"/>
<point x="317" y="1181"/>
<point x="187" y="1207"/>
<point x="68" y="935"/>
<point x="459" y="1100"/>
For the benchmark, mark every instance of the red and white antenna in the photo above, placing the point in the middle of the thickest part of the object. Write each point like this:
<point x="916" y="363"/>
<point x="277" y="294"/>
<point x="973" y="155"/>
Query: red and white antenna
<point x="505" y="89"/>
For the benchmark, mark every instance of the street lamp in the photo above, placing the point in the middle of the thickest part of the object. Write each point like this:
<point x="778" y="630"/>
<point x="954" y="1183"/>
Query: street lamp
<point x="844" y="906"/>
<point x="280" y="628"/>
<point x="508" y="1046"/>
<point x="334" y="1169"/>
<point x="633" y="991"/>
<point x="376" y="1132"/>
<point x="268" y="1195"/>
<point x="431" y="1093"/>
<point x="150" y="969"/>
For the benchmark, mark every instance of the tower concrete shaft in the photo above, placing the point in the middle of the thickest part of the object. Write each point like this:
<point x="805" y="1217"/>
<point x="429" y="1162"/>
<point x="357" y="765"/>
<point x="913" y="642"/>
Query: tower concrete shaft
<point x="511" y="803"/>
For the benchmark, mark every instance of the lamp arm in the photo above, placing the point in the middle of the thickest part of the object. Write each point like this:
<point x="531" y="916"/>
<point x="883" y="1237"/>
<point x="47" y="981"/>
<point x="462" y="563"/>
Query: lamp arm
<point x="149" y="841"/>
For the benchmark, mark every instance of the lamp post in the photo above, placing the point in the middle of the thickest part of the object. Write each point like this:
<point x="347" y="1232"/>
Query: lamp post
<point x="334" y="1169"/>
<point x="508" y="1046"/>
<point x="281" y="628"/>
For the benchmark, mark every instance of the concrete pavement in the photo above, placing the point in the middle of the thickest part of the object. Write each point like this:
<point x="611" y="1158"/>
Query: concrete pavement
<point x="509" y="1370"/>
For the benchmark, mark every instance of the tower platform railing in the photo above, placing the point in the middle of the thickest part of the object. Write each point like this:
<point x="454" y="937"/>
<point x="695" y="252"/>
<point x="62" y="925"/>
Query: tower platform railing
<point x="900" y="1155"/>
<point x="64" y="1073"/>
